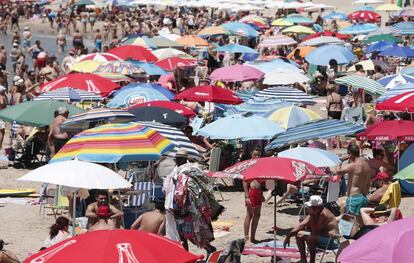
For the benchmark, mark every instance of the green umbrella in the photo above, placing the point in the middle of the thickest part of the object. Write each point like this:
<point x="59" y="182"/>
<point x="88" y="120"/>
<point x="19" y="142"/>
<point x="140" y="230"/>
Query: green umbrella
<point x="163" y="42"/>
<point x="35" y="113"/>
<point x="384" y="37"/>
<point x="406" y="174"/>
<point x="369" y="85"/>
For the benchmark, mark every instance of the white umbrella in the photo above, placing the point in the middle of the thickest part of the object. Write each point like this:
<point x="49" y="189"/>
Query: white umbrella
<point x="316" y="157"/>
<point x="368" y="2"/>
<point x="320" y="41"/>
<point x="284" y="77"/>
<point x="163" y="53"/>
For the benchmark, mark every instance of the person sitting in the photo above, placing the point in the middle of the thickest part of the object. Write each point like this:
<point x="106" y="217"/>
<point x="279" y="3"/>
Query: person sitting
<point x="92" y="209"/>
<point x="152" y="221"/>
<point x="59" y="231"/>
<point x="380" y="159"/>
<point x="103" y="222"/>
<point x="381" y="182"/>
<point x="321" y="224"/>
<point x="379" y="215"/>
<point x="7" y="256"/>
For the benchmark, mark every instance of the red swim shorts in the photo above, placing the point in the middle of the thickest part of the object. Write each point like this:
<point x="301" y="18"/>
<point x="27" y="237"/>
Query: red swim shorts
<point x="256" y="197"/>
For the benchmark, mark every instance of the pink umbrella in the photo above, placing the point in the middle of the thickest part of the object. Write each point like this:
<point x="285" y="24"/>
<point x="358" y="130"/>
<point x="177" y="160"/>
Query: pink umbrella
<point x="392" y="242"/>
<point x="236" y="73"/>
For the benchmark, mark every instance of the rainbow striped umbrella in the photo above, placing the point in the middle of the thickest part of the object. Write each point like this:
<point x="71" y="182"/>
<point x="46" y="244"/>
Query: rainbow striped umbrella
<point x="112" y="143"/>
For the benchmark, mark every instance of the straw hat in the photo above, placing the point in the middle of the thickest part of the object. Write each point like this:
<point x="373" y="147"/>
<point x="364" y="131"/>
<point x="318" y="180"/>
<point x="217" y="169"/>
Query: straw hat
<point x="183" y="153"/>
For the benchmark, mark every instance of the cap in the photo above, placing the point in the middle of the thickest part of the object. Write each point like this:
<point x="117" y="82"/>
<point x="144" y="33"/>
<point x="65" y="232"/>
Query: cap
<point x="314" y="200"/>
<point x="103" y="211"/>
<point x="62" y="110"/>
<point x="15" y="44"/>
<point x="381" y="176"/>
<point x="182" y="153"/>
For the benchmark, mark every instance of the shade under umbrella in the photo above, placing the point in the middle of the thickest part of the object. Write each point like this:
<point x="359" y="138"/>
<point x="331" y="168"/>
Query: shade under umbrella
<point x="316" y="157"/>
<point x="158" y="114"/>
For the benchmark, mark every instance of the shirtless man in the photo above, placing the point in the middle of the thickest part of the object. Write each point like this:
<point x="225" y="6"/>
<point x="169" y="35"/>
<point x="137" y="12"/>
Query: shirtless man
<point x="77" y="40"/>
<point x="153" y="221"/>
<point x="27" y="37"/>
<point x="103" y="214"/>
<point x="92" y="210"/>
<point x="3" y="105"/>
<point x="381" y="182"/>
<point x="56" y="137"/>
<point x="320" y="224"/>
<point x="378" y="161"/>
<point x="359" y="181"/>
<point x="61" y="41"/>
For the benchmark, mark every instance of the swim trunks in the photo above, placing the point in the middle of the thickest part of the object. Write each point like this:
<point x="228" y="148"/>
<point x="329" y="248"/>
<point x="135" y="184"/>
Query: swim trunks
<point x="256" y="197"/>
<point x="354" y="203"/>
<point x="323" y="242"/>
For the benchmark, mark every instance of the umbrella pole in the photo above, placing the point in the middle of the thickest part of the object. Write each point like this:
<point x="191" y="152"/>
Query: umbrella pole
<point x="274" y="226"/>
<point x="74" y="214"/>
<point x="398" y="156"/>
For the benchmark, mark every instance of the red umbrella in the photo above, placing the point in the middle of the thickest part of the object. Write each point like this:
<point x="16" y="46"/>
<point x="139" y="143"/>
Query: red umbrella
<point x="402" y="102"/>
<point x="389" y="131"/>
<point x="365" y="15"/>
<point x="83" y="81"/>
<point x="133" y="52"/>
<point x="327" y="34"/>
<point x="210" y="94"/>
<point x="177" y="107"/>
<point x="170" y="64"/>
<point x="131" y="246"/>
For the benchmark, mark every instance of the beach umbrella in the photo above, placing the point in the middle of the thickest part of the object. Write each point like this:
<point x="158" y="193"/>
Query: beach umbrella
<point x="368" y="85"/>
<point x="358" y="29"/>
<point x="236" y="73"/>
<point x="406" y="28"/>
<point x="209" y="94"/>
<point x="397" y="90"/>
<point x="315" y="130"/>
<point x="236" y="48"/>
<point x="303" y="51"/>
<point x="343" y="24"/>
<point x="120" y="67"/>
<point x="158" y="114"/>
<point x="284" y="77"/>
<point x="318" y="7"/>
<point x="281" y="22"/>
<point x="172" y="63"/>
<point x="403" y="102"/>
<point x="256" y="106"/>
<point x="370" y="65"/>
<point x="69" y="94"/>
<point x="112" y="143"/>
<point x="86" y="66"/>
<point x="84" y="81"/>
<point x="192" y="41"/>
<point x="397" y="51"/>
<point x="382" y="37"/>
<point x="99" y="57"/>
<point x="322" y="55"/>
<point x="405" y="174"/>
<point x="150" y="68"/>
<point x="365" y="2"/>
<point x="334" y="15"/>
<point x="115" y="246"/>
<point x="327" y="34"/>
<point x="276" y="40"/>
<point x="292" y="116"/>
<point x="299" y="30"/>
<point x="240" y="29"/>
<point x="143" y="41"/>
<point x="321" y="41"/>
<point x="35" y="113"/>
<point x="287" y="94"/>
<point x="91" y="118"/>
<point x="83" y="2"/>
<point x="114" y="77"/>
<point x="143" y="86"/>
<point x="388" y="30"/>
<point x="388" y="8"/>
<point x="273" y="65"/>
<point x="213" y="31"/>
<point x="177" y="107"/>
<point x="388" y="131"/>
<point x="314" y="156"/>
<point x="391" y="81"/>
<point x="133" y="52"/>
<point x="380" y="46"/>
<point x="407" y="12"/>
<point x="298" y="19"/>
<point x="408" y="70"/>
<point x="241" y="127"/>
<point x="163" y="53"/>
<point x="163" y="42"/>
<point x="366" y="16"/>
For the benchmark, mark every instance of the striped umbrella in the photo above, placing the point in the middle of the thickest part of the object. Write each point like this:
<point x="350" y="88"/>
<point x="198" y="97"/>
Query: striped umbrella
<point x="177" y="137"/>
<point x="406" y="28"/>
<point x="114" y="77"/>
<point x="99" y="57"/>
<point x="120" y="67"/>
<point x="257" y="106"/>
<point x="112" y="143"/>
<point x="140" y="41"/>
<point x="85" y="120"/>
<point x="321" y="40"/>
<point x="86" y="66"/>
<point x="400" y="89"/>
<point x="391" y="81"/>
<point x="277" y="40"/>
<point x="388" y="30"/>
<point x="370" y="86"/>
<point x="164" y="53"/>
<point x="287" y="94"/>
<point x="69" y="94"/>
<point x="364" y="15"/>
<point x="315" y="130"/>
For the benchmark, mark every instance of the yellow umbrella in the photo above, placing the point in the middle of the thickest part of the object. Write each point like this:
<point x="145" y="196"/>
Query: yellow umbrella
<point x="299" y="30"/>
<point x="192" y="41"/>
<point x="86" y="66"/>
<point x="292" y="116"/>
<point x="213" y="30"/>
<point x="304" y="51"/>
<point x="388" y="8"/>
<point x="281" y="22"/>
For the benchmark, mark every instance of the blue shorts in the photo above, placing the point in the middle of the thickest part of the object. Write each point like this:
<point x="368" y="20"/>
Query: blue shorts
<point x="354" y="204"/>
<point x="323" y="241"/>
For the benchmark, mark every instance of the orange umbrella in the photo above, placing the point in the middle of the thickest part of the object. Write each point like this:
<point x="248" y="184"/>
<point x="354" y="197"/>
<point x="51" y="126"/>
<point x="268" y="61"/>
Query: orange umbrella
<point x="192" y="41"/>
<point x="305" y="50"/>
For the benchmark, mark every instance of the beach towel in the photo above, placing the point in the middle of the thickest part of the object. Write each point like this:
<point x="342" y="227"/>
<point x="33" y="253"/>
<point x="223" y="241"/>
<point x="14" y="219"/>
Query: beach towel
<point x="392" y="196"/>
<point x="221" y="228"/>
<point x="268" y="252"/>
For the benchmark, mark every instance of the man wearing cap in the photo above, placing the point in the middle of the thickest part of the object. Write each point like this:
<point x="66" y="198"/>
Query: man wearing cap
<point x="381" y="182"/>
<point x="315" y="229"/>
<point x="3" y="105"/>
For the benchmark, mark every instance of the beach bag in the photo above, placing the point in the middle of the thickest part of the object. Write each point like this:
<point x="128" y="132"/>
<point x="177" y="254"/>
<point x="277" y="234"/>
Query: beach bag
<point x="333" y="207"/>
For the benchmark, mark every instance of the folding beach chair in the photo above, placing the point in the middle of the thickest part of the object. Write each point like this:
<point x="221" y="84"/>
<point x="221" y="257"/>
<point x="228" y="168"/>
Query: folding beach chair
<point x="54" y="201"/>
<point x="214" y="166"/>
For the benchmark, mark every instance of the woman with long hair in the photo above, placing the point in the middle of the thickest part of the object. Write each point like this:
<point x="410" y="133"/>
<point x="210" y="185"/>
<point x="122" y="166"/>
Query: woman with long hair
<point x="58" y="232"/>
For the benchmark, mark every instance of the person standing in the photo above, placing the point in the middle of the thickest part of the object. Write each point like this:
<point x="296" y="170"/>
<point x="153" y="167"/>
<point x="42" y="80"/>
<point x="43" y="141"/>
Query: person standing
<point x="56" y="137"/>
<point x="27" y="37"/>
<point x="333" y="103"/>
<point x="61" y="42"/>
<point x="98" y="40"/>
<point x="3" y="105"/>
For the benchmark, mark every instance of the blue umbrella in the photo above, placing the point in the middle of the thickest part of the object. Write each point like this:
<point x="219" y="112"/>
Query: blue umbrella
<point x="336" y="16"/>
<point x="269" y="66"/>
<point x="406" y="28"/>
<point x="397" y="90"/>
<point x="139" y="93"/>
<point x="322" y="55"/>
<point x="364" y="8"/>
<point x="358" y="29"/>
<point x="407" y="71"/>
<point x="298" y="19"/>
<point x="380" y="46"/>
<point x="392" y="81"/>
<point x="397" y="51"/>
<point x="240" y="29"/>
<point x="316" y="157"/>
<point x="235" y="48"/>
<point x="241" y="127"/>
<point x="150" y="68"/>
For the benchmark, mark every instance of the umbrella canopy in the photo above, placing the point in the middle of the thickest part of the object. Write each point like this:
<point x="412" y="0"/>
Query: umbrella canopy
<point x="389" y="243"/>
<point x="114" y="246"/>
<point x="314" y="156"/>
<point x="236" y="73"/>
<point x="163" y="42"/>
<point x="192" y="41"/>
<point x="392" y="81"/>
<point x="35" y="113"/>
<point x="322" y="55"/>
<point x="209" y="94"/>
<point x="292" y="116"/>
<point x="397" y="90"/>
<point x="86" y="66"/>
<point x="382" y="37"/>
<point x="358" y="29"/>
<point x="213" y="31"/>
<point x="77" y="174"/>
<point x="408" y="70"/>
<point x="281" y="22"/>
<point x="241" y="127"/>
<point x="256" y="106"/>
<point x="163" y="53"/>
<point x="158" y="114"/>
<point x="143" y="41"/>
<point x="177" y="107"/>
<point x="235" y="48"/>
<point x="389" y="131"/>
<point x="321" y="40"/>
<point x="83" y="2"/>
<point x="408" y="12"/>
<point x="69" y="94"/>
<point x="83" y="81"/>
<point x="406" y="28"/>
<point x="380" y="46"/>
<point x="369" y="85"/>
<point x="273" y="65"/>
<point x="402" y="102"/>
<point x="150" y="68"/>
<point x="397" y="51"/>
<point x="299" y="30"/>
<point x="99" y="57"/>
<point x="112" y="143"/>
<point x="114" y="77"/>
<point x="303" y="51"/>
<point x="388" y="8"/>
<point x="284" y="77"/>
<point x="405" y="174"/>
<point x="240" y="29"/>
<point x="277" y="40"/>
<point x="327" y="34"/>
<point x="133" y="52"/>
<point x="334" y="15"/>
<point x="172" y="63"/>
<point x="286" y="94"/>
<point x="298" y="19"/>
<point x="120" y="67"/>
<point x="365" y="16"/>
<point x="370" y="65"/>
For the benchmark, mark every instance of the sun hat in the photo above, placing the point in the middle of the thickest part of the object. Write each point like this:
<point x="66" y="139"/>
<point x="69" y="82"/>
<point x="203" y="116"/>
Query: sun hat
<point x="314" y="200"/>
<point x="183" y="153"/>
